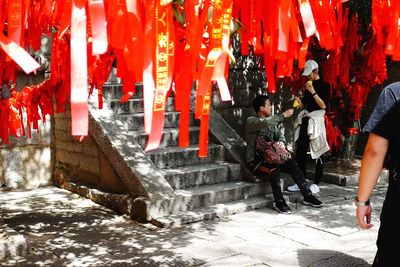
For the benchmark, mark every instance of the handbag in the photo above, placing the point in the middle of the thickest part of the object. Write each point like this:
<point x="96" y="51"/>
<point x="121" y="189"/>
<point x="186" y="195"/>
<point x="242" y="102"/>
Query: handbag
<point x="270" y="151"/>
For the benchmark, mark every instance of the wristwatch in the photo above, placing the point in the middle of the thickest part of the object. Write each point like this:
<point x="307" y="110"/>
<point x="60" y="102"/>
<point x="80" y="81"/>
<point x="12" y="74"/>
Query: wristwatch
<point x="361" y="203"/>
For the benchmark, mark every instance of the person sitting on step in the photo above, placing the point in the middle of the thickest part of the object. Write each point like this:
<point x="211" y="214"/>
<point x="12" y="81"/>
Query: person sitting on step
<point x="265" y="124"/>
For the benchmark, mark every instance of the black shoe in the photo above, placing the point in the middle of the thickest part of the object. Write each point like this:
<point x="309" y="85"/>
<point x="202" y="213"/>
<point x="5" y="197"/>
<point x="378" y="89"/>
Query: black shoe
<point x="282" y="207"/>
<point x="311" y="200"/>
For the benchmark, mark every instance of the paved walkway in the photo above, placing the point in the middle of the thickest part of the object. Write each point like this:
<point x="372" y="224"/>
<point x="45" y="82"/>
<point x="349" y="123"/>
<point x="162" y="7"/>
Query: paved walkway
<point x="64" y="229"/>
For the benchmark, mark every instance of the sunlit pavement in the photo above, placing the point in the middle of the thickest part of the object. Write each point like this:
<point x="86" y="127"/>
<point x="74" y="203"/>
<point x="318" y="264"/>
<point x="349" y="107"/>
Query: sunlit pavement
<point x="64" y="229"/>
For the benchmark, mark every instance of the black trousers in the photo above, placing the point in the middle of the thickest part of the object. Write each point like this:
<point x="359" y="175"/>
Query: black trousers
<point x="274" y="177"/>
<point x="302" y="145"/>
<point x="389" y="230"/>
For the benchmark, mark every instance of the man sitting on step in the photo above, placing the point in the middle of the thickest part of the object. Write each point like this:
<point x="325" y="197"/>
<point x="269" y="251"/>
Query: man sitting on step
<point x="265" y="124"/>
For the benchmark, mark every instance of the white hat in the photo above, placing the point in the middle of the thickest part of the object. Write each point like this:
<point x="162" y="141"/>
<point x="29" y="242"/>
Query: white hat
<point x="309" y="67"/>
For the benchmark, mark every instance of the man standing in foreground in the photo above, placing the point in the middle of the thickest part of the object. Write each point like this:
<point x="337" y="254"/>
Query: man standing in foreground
<point x="384" y="138"/>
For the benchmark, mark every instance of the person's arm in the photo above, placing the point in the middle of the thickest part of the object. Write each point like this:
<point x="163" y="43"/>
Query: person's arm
<point x="255" y="124"/>
<point x="371" y="167"/>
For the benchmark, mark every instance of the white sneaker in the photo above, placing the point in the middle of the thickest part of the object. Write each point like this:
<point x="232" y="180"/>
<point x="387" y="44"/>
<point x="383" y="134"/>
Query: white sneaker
<point x="314" y="188"/>
<point x="293" y="188"/>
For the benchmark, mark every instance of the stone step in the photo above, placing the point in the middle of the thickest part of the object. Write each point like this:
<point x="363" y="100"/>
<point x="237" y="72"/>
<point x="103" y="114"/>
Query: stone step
<point x="174" y="157"/>
<point x="113" y="91"/>
<point x="136" y="121"/>
<point x="202" y="174"/>
<point x="135" y="105"/>
<point x="170" y="136"/>
<point x="215" y="211"/>
<point x="209" y="195"/>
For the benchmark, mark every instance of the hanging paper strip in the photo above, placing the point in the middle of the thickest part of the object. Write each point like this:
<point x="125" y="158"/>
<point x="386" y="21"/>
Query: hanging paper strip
<point x="219" y="70"/>
<point x="79" y="85"/>
<point x="163" y="68"/>
<point x="196" y="39"/>
<point x="294" y="25"/>
<point x="269" y="67"/>
<point x="148" y="81"/>
<point x="14" y="29"/>
<point x="308" y="18"/>
<point x="394" y="30"/>
<point x="117" y="23"/>
<point x="65" y="17"/>
<point x="18" y="54"/>
<point x="130" y="59"/>
<point x="183" y="79"/>
<point x="245" y="20"/>
<point x="214" y="69"/>
<point x="303" y="53"/>
<point x="219" y="43"/>
<point x="205" y="118"/>
<point x="283" y="40"/>
<point x="98" y="24"/>
<point x="60" y="70"/>
<point x="250" y="32"/>
<point x="134" y="43"/>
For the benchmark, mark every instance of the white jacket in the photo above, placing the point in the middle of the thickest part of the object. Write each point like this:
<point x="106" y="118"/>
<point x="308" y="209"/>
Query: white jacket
<point x="316" y="131"/>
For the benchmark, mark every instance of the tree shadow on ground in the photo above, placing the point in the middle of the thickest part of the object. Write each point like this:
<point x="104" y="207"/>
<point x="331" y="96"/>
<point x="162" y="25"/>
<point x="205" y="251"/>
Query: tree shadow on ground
<point x="63" y="229"/>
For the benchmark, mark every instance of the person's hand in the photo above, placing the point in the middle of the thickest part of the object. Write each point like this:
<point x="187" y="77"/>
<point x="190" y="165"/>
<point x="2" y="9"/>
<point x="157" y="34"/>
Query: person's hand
<point x="363" y="215"/>
<point x="281" y="144"/>
<point x="288" y="113"/>
<point x="297" y="102"/>
<point x="310" y="87"/>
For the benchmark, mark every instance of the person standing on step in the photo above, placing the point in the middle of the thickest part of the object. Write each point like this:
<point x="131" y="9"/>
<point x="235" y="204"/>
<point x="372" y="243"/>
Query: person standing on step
<point x="310" y="124"/>
<point x="383" y="142"/>
<point x="265" y="124"/>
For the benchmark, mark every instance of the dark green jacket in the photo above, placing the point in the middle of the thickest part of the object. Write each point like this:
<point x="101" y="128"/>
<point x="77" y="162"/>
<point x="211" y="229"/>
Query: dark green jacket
<point x="256" y="126"/>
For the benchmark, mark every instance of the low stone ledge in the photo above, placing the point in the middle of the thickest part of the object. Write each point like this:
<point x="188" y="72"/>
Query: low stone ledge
<point x="12" y="244"/>
<point x="120" y="203"/>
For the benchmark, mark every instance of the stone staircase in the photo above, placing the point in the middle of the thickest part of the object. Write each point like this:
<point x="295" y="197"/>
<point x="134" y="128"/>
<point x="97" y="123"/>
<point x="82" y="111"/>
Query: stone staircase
<point x="203" y="188"/>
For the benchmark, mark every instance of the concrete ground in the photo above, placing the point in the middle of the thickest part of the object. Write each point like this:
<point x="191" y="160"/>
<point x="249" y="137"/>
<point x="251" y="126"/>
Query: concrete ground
<point x="63" y="229"/>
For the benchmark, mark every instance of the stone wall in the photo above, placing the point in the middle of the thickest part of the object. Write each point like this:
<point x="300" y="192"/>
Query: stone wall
<point x="83" y="163"/>
<point x="26" y="162"/>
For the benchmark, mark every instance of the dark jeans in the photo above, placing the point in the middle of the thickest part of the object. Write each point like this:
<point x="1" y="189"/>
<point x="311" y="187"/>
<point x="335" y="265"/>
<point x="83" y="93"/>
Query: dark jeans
<point x="389" y="230"/>
<point x="302" y="144"/>
<point x="274" y="177"/>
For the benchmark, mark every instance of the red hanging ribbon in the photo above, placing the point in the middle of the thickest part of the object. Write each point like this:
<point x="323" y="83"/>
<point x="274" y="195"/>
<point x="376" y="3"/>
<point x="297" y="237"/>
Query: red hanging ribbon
<point x="163" y="69"/>
<point x="214" y="69"/>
